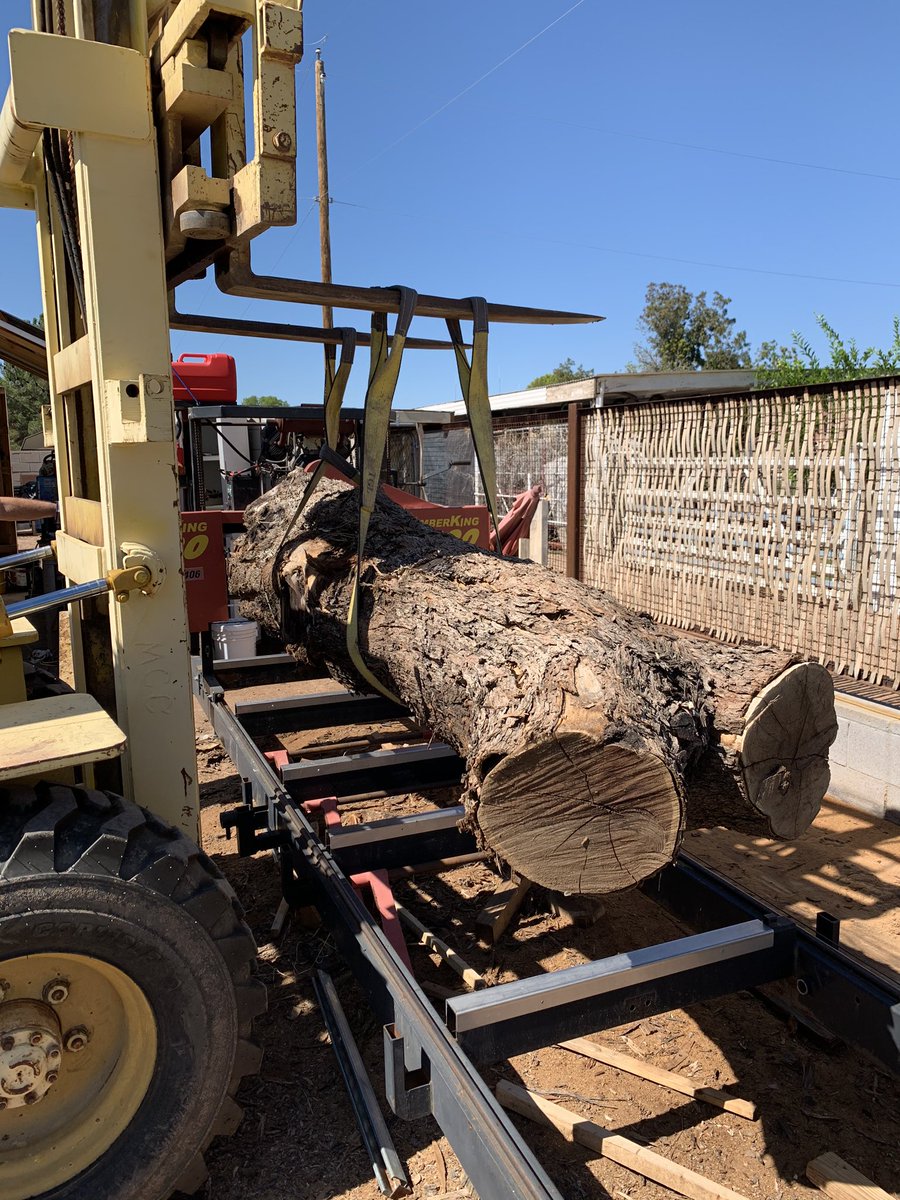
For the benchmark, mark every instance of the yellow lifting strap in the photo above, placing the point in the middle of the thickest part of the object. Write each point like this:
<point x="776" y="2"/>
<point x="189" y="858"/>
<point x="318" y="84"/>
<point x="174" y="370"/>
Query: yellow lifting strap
<point x="335" y="387"/>
<point x="473" y="379"/>
<point x="384" y="370"/>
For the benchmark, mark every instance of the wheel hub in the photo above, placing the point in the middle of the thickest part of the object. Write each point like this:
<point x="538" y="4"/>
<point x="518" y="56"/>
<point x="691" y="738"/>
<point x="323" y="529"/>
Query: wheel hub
<point x="30" y="1052"/>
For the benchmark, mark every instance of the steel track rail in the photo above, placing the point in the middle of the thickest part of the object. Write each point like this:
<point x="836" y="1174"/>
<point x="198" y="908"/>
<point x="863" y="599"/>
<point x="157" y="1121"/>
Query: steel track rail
<point x="430" y="1070"/>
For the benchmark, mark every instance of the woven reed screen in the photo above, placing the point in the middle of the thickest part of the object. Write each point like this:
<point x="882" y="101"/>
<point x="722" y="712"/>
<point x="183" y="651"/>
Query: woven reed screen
<point x="767" y="517"/>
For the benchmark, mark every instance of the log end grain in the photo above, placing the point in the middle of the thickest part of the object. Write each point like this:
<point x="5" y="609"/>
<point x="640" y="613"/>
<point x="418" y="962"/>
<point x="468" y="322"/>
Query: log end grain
<point x="610" y="815"/>
<point x="788" y="729"/>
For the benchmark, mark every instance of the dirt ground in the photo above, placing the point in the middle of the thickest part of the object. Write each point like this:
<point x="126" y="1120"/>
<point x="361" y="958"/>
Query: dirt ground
<point x="299" y="1140"/>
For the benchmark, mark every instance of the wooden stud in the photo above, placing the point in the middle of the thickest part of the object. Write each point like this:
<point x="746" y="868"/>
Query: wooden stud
<point x="668" y="1079"/>
<point x="436" y="945"/>
<point x="496" y="916"/>
<point x="613" y="1146"/>
<point x="837" y="1179"/>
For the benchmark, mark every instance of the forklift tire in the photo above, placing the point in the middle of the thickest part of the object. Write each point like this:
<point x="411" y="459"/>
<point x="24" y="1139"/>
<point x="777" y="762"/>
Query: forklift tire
<point x="126" y="1000"/>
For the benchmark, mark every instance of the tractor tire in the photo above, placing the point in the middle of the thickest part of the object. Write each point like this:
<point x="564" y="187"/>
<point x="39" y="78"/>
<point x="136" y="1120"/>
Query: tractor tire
<point x="126" y="1000"/>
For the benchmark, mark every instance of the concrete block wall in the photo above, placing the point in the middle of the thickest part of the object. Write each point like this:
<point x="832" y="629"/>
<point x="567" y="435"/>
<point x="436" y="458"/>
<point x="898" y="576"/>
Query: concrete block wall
<point x="865" y="757"/>
<point x="26" y="464"/>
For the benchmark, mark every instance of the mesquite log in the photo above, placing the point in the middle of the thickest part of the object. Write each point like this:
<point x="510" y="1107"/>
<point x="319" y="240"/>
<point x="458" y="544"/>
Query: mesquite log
<point x="589" y="733"/>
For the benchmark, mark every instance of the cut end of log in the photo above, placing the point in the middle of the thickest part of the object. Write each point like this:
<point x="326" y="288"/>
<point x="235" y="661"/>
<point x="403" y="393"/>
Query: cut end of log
<point x="784" y="749"/>
<point x="610" y="816"/>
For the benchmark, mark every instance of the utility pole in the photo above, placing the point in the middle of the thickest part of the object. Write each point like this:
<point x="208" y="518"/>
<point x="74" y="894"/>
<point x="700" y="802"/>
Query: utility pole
<point x="324" y="197"/>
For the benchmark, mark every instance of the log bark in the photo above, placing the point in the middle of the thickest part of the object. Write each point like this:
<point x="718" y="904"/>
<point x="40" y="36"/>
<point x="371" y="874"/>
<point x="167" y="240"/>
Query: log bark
<point x="582" y="724"/>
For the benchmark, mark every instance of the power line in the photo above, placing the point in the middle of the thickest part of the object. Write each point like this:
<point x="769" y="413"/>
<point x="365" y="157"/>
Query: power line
<point x="783" y="162"/>
<point x="459" y="95"/>
<point x="691" y="262"/>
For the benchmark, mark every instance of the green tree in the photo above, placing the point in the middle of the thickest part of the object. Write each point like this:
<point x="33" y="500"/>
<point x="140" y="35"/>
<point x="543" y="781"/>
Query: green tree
<point x="566" y="372"/>
<point x="684" y="332"/>
<point x="25" y="396"/>
<point x="799" y="364"/>
<point x="265" y="401"/>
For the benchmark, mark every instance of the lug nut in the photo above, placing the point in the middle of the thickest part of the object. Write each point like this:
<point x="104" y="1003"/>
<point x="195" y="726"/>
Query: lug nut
<point x="53" y="1053"/>
<point x="31" y="1097"/>
<point x="56" y="991"/>
<point x="76" y="1039"/>
<point x="7" y="1042"/>
<point x="3" y="1103"/>
<point x="52" y="1076"/>
<point x="36" y="1038"/>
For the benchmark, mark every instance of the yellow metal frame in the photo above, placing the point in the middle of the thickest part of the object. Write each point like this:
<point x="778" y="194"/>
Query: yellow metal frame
<point x="118" y="362"/>
<point x="132" y="116"/>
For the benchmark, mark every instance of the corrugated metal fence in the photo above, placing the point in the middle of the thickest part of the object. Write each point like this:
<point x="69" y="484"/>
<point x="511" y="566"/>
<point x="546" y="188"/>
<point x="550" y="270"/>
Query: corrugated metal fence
<point x="770" y="517"/>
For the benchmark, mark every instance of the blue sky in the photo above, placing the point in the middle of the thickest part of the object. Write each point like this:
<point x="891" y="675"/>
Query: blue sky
<point x="556" y="181"/>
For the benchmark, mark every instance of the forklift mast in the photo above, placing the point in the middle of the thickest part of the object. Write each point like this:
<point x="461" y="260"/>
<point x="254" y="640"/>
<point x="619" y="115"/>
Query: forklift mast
<point x="126" y="996"/>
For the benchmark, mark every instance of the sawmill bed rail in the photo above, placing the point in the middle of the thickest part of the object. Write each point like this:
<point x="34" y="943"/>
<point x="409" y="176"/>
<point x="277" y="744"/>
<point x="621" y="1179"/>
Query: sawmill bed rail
<point x="432" y="1064"/>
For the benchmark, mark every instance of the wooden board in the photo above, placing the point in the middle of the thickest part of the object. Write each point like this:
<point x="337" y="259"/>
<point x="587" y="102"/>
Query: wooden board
<point x="840" y="1181"/>
<point x="622" y="1150"/>
<point x="668" y="1079"/>
<point x="847" y="864"/>
<point x="61" y="731"/>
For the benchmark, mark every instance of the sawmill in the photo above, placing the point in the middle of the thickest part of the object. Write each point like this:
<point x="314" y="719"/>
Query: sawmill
<point x="423" y="706"/>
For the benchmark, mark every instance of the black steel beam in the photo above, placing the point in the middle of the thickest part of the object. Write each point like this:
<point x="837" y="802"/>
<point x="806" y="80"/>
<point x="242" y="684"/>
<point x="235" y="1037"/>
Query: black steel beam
<point x="852" y="1001"/>
<point x="431" y="1064"/>
<point x="528" y="1014"/>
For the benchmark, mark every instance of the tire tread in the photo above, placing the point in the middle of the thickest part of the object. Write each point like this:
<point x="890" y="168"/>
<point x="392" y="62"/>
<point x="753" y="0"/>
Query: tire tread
<point x="54" y="829"/>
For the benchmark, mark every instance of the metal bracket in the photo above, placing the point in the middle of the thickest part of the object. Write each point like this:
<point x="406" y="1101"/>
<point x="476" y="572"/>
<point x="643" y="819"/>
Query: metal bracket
<point x="408" y="1092"/>
<point x="141" y="559"/>
<point x="253" y="833"/>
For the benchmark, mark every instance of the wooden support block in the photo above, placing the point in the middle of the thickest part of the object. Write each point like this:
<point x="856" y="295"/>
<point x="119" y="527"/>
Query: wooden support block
<point x="494" y="919"/>
<point x="579" y="912"/>
<point x="678" y="1083"/>
<point x="280" y="919"/>
<point x="840" y="1181"/>
<point x="613" y="1146"/>
<point x="469" y="975"/>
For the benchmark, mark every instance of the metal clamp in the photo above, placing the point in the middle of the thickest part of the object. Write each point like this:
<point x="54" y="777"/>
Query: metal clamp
<point x="253" y="833"/>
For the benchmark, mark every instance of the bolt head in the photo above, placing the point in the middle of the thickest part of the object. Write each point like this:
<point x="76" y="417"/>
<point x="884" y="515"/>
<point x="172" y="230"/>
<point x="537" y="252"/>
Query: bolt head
<point x="7" y="1042"/>
<point x="36" y="1038"/>
<point x="56" y="991"/>
<point x="31" y="1098"/>
<point x="282" y="140"/>
<point x="76" y="1039"/>
<point x="52" y="1076"/>
<point x="53" y="1053"/>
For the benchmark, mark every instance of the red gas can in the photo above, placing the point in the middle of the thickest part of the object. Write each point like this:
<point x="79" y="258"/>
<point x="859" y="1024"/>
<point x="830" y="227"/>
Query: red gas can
<point x="205" y="379"/>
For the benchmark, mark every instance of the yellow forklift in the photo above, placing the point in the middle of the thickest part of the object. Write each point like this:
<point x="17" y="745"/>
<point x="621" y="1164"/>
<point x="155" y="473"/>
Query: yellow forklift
<point x="126" y="997"/>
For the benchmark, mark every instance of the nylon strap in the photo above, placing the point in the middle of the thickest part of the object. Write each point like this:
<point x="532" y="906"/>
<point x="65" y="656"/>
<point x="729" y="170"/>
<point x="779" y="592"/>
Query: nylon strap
<point x="335" y="386"/>
<point x="473" y="380"/>
<point x="384" y="370"/>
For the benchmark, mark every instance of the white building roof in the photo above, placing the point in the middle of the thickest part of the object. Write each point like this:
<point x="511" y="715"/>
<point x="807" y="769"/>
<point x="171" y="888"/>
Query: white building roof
<point x="651" y="385"/>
